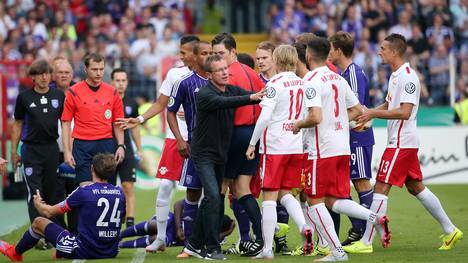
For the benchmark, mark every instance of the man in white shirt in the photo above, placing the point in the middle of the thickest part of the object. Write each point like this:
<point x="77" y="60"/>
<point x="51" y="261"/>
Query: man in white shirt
<point x="281" y="150"/>
<point x="331" y="103"/>
<point x="400" y="164"/>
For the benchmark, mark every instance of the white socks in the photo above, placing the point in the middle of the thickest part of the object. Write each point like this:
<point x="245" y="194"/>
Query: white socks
<point x="354" y="210"/>
<point x="308" y="218"/>
<point x="269" y="219"/>
<point x="379" y="206"/>
<point x="433" y="206"/>
<point x="293" y="207"/>
<point x="325" y="227"/>
<point x="162" y="206"/>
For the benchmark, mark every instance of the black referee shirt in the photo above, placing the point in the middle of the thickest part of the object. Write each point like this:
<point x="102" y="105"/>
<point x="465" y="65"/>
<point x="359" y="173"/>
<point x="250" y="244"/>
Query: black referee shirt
<point x="40" y="114"/>
<point x="215" y="121"/>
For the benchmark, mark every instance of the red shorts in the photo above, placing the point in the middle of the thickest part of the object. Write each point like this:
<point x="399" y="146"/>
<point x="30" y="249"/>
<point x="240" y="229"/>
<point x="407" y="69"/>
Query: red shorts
<point x="398" y="166"/>
<point x="328" y="177"/>
<point x="281" y="171"/>
<point x="171" y="163"/>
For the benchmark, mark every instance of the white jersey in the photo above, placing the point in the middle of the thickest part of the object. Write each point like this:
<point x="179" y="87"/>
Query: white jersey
<point x="330" y="92"/>
<point x="172" y="76"/>
<point x="403" y="87"/>
<point x="281" y="108"/>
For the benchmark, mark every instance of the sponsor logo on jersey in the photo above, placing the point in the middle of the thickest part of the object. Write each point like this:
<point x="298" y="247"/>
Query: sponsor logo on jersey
<point x="270" y="92"/>
<point x="410" y="87"/>
<point x="310" y="93"/>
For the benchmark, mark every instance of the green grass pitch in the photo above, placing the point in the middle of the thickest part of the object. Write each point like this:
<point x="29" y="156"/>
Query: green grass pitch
<point x="415" y="235"/>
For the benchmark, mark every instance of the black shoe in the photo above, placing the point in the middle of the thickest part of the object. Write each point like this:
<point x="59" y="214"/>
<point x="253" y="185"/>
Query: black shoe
<point x="192" y="251"/>
<point x="254" y="248"/>
<point x="353" y="236"/>
<point x="281" y="246"/>
<point x="215" y="255"/>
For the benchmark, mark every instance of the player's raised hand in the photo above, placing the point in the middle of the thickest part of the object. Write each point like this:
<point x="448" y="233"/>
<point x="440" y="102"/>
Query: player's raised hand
<point x="250" y="154"/>
<point x="127" y="123"/>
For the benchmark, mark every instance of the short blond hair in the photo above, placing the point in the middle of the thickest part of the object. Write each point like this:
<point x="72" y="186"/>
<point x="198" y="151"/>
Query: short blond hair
<point x="285" y="58"/>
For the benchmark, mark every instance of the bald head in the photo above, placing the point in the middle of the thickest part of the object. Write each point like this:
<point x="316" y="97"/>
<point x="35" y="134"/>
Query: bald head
<point x="63" y="73"/>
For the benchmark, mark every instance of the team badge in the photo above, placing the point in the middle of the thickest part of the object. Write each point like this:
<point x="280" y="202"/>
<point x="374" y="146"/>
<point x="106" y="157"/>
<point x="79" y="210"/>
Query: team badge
<point x="310" y="93"/>
<point x="55" y="103"/>
<point x="171" y="102"/>
<point x="188" y="179"/>
<point x="163" y="170"/>
<point x="410" y="87"/>
<point x="28" y="171"/>
<point x="108" y="114"/>
<point x="270" y="92"/>
<point x="128" y="110"/>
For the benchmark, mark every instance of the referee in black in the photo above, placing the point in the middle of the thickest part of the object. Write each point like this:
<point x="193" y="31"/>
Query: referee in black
<point x="37" y="113"/>
<point x="210" y="144"/>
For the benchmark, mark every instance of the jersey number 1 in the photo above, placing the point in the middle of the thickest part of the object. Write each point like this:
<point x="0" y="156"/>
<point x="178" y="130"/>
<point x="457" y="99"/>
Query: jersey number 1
<point x="337" y="105"/>
<point x="299" y="99"/>
<point x="115" y="216"/>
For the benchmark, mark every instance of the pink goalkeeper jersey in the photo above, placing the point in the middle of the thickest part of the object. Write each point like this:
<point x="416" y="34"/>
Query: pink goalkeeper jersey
<point x="327" y="90"/>
<point x="403" y="87"/>
<point x="281" y="107"/>
<point x="172" y="76"/>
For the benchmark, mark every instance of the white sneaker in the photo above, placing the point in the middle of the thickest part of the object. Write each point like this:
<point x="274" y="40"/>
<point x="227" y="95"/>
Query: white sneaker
<point x="157" y="245"/>
<point x="264" y="255"/>
<point x="332" y="257"/>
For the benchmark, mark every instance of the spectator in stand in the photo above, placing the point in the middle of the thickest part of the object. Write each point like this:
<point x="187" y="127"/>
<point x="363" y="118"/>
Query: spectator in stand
<point x="6" y="23"/>
<point x="318" y="23"/>
<point x="439" y="72"/>
<point x="439" y="34"/>
<point x="353" y="24"/>
<point x="418" y="43"/>
<point x="288" y="23"/>
<point x="403" y="27"/>
<point x="167" y="46"/>
<point x="375" y="19"/>
<point x="160" y="21"/>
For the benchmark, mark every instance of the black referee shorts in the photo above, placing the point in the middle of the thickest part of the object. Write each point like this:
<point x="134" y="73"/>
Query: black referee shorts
<point x="237" y="164"/>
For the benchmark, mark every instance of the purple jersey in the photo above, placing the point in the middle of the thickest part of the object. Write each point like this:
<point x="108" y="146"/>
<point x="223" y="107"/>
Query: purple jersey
<point x="102" y="208"/>
<point x="184" y="93"/>
<point x="358" y="82"/>
<point x="265" y="80"/>
<point x="171" y="239"/>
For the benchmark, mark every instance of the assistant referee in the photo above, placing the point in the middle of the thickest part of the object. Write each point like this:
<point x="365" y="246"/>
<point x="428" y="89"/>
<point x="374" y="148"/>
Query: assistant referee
<point x="94" y="106"/>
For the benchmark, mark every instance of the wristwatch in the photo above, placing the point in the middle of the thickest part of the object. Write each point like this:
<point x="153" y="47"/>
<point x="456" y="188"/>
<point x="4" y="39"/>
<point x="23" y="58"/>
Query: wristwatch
<point x="123" y="146"/>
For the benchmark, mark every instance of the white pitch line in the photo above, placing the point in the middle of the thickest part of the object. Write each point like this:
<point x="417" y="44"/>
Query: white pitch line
<point x="140" y="255"/>
<point x="78" y="260"/>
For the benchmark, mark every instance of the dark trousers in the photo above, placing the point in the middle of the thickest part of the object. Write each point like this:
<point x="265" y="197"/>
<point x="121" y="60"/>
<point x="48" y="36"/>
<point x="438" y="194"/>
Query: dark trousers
<point x="84" y="151"/>
<point x="206" y="225"/>
<point x="40" y="162"/>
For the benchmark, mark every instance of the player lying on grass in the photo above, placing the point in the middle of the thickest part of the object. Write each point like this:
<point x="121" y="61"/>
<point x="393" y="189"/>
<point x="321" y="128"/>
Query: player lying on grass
<point x="101" y="205"/>
<point x="174" y="231"/>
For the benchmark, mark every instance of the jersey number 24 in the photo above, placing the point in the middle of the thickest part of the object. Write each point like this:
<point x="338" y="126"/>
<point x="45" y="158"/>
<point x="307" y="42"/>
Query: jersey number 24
<point x="115" y="216"/>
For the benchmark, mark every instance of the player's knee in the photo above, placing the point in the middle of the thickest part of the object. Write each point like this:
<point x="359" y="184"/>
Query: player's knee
<point x="414" y="187"/>
<point x="362" y="185"/>
<point x="38" y="224"/>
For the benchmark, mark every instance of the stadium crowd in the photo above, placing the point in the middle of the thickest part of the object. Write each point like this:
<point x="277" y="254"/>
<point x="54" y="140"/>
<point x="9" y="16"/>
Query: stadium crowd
<point x="140" y="35"/>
